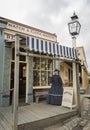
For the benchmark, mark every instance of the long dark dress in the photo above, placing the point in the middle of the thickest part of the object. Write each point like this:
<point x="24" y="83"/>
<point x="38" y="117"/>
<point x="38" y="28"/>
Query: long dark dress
<point x="56" y="91"/>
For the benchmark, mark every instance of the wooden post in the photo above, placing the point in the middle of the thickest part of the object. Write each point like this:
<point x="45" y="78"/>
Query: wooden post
<point x="16" y="84"/>
<point x="76" y="85"/>
<point x="78" y="92"/>
<point x="74" y="74"/>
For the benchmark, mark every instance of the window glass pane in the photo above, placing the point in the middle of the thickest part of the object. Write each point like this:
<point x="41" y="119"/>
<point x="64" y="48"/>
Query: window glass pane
<point x="36" y="63"/>
<point x="50" y="70"/>
<point x="21" y="57"/>
<point x="36" y="78"/>
<point x="36" y="71"/>
<point x="50" y="64"/>
<point x="42" y="71"/>
<point x="49" y="77"/>
<point x="44" y="65"/>
<point x="43" y="78"/>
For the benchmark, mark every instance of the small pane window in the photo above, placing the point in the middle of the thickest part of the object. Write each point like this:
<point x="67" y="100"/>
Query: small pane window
<point x="21" y="58"/>
<point x="42" y="71"/>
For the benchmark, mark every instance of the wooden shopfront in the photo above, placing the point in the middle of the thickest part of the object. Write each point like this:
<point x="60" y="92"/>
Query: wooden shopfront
<point x="41" y="54"/>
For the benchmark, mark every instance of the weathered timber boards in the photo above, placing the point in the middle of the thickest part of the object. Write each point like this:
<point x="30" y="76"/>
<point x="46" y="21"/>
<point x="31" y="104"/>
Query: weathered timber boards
<point x="34" y="112"/>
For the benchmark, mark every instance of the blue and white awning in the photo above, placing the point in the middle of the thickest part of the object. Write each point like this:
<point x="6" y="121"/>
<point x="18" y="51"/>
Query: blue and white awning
<point x="47" y="47"/>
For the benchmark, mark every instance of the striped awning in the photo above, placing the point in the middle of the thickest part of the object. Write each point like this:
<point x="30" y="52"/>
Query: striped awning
<point x="47" y="47"/>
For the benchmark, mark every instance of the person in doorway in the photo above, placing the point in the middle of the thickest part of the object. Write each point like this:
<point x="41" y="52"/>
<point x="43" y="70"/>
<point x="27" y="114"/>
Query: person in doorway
<point x="56" y="91"/>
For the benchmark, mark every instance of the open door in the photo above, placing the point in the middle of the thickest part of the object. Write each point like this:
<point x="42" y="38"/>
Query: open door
<point x="22" y="82"/>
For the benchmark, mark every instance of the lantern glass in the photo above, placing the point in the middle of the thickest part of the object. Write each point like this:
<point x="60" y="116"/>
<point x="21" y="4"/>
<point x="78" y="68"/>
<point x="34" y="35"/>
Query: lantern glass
<point x="74" y="27"/>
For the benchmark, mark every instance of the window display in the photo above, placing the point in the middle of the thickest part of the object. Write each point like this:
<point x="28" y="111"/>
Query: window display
<point x="43" y="78"/>
<point x="36" y="63"/>
<point x="36" y="78"/>
<point x="50" y="65"/>
<point x="44" y="64"/>
<point x="42" y="71"/>
<point x="49" y="77"/>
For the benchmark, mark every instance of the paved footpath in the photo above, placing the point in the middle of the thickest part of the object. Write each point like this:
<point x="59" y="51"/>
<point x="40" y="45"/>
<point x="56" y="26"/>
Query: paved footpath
<point x="76" y="123"/>
<point x="67" y="125"/>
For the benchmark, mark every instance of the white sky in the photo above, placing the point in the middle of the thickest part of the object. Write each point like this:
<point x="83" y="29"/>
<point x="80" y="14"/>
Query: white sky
<point x="52" y="16"/>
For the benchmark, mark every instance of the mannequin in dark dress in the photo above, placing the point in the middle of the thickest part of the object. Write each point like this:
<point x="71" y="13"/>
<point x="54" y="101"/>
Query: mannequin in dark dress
<point x="56" y="91"/>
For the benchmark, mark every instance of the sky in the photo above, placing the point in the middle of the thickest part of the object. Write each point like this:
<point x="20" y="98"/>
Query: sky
<point x="52" y="16"/>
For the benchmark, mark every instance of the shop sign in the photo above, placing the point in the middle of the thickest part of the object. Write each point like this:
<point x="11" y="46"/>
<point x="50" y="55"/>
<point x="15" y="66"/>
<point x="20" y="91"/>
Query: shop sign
<point x="31" y="31"/>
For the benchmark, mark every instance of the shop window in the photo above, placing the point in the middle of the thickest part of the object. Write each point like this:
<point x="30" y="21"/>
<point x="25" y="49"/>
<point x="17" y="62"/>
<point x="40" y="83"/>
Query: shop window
<point x="36" y="75"/>
<point x="42" y="71"/>
<point x="36" y="63"/>
<point x="36" y="71"/>
<point x="21" y="58"/>
<point x="50" y="65"/>
<point x="43" y="78"/>
<point x="44" y="68"/>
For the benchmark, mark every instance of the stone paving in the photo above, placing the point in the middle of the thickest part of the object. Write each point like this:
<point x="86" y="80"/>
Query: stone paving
<point x="71" y="124"/>
<point x="85" y="113"/>
<point x="77" y="123"/>
<point x="82" y="123"/>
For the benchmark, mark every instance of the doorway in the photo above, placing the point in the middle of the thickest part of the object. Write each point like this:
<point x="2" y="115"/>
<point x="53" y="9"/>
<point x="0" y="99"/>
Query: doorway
<point x="22" y="82"/>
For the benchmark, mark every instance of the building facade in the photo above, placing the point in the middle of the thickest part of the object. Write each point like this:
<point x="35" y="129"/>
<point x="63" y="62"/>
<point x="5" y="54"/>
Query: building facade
<point x="39" y="54"/>
<point x="66" y="72"/>
<point x="83" y="68"/>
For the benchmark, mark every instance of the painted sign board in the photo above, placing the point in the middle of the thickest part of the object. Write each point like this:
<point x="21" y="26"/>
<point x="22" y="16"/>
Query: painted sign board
<point x="67" y="99"/>
<point x="31" y="31"/>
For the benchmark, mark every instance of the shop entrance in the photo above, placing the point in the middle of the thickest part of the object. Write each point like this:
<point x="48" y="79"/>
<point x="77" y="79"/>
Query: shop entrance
<point x="22" y="82"/>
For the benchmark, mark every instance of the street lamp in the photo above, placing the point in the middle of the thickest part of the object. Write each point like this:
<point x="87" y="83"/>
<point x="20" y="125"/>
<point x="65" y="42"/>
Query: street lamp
<point x="74" y="30"/>
<point x="74" y="25"/>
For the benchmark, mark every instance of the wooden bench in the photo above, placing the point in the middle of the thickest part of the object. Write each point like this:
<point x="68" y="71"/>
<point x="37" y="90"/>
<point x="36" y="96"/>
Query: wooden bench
<point x="40" y="93"/>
